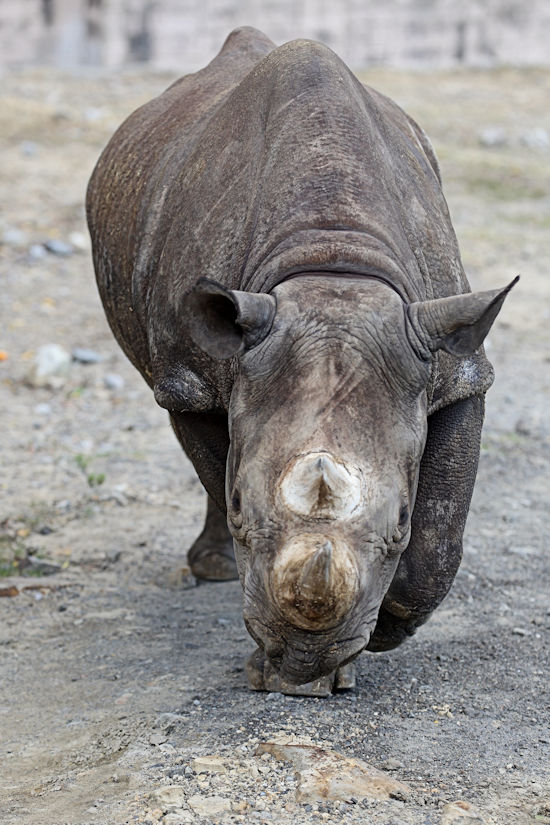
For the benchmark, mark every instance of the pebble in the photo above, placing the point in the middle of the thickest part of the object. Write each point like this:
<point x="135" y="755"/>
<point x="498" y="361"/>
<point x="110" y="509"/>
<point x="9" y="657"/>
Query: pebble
<point x="537" y="138"/>
<point x="179" y="818"/>
<point x="43" y="409"/>
<point x="520" y="631"/>
<point x="461" y="813"/>
<point x="112" y="381"/>
<point x="208" y="805"/>
<point x="37" y="251"/>
<point x="80" y="241"/>
<point x="523" y="551"/>
<point x="209" y="764"/>
<point x="14" y="237"/>
<point x="50" y="367"/>
<point x="57" y="247"/>
<point x="392" y="764"/>
<point x="29" y="148"/>
<point x="169" y="798"/>
<point x="493" y="136"/>
<point x="43" y="567"/>
<point x="157" y="739"/>
<point x="86" y="356"/>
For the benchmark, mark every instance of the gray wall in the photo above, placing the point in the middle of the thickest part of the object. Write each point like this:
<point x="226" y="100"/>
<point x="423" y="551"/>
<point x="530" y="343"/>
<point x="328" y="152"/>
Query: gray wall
<point x="184" y="34"/>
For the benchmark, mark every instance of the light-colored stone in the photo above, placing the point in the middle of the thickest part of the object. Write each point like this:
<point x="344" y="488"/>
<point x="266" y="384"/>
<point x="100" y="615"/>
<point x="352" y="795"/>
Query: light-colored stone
<point x="209" y="764"/>
<point x="208" y="805"/>
<point x="178" y="818"/>
<point x="50" y="367"/>
<point x="86" y="356"/>
<point x="169" y="798"/>
<point x="112" y="381"/>
<point x="324" y="774"/>
<point x="462" y="813"/>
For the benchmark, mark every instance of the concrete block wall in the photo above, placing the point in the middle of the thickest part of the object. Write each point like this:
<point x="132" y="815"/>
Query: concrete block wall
<point x="185" y="34"/>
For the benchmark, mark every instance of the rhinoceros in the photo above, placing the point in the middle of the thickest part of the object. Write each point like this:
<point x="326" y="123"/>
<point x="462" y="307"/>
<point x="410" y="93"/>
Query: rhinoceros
<point x="275" y="256"/>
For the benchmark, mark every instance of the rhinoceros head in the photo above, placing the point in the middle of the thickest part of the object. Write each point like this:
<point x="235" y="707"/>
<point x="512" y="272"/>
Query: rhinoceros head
<point x="328" y="421"/>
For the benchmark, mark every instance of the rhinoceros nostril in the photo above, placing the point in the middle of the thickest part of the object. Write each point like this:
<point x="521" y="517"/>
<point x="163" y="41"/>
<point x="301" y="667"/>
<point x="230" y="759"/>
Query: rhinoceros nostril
<point x="317" y="485"/>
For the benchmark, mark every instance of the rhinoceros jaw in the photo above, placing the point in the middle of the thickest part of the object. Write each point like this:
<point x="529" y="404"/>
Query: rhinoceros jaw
<point x="317" y="485"/>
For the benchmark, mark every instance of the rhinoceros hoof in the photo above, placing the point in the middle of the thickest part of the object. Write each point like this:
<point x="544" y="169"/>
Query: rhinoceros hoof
<point x="212" y="561"/>
<point x="262" y="675"/>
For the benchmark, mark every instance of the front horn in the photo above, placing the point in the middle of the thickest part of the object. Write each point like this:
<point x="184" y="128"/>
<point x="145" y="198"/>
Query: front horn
<point x="314" y="581"/>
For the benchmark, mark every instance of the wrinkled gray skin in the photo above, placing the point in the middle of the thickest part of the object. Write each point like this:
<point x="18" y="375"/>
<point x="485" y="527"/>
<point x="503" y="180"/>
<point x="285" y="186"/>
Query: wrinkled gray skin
<point x="275" y="256"/>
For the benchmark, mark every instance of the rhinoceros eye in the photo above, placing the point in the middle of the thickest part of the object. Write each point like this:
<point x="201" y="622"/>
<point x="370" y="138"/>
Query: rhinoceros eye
<point x="402" y="523"/>
<point x="235" y="514"/>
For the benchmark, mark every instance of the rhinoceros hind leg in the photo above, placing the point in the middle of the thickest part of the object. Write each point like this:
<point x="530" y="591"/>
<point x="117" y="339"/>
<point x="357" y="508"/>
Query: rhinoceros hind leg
<point x="211" y="556"/>
<point x="262" y="675"/>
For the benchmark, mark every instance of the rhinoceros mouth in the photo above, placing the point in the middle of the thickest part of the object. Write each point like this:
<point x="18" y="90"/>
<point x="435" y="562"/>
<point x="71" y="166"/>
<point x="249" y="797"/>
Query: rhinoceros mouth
<point x="299" y="661"/>
<point x="299" y="666"/>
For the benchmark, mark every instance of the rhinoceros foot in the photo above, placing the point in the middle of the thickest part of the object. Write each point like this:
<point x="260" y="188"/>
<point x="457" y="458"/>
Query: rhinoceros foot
<point x="212" y="562"/>
<point x="211" y="557"/>
<point x="262" y="675"/>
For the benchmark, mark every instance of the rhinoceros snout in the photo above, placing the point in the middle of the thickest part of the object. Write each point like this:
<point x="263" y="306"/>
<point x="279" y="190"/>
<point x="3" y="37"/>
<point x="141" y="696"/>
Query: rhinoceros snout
<point x="318" y="485"/>
<point x="314" y="580"/>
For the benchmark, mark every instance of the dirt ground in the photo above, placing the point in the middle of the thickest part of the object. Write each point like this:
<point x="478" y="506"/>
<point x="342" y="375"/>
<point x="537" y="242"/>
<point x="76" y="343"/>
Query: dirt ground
<point x="116" y="672"/>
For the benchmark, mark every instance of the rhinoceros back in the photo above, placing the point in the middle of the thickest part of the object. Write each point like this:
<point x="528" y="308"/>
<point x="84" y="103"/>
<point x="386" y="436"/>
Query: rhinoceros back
<point x="125" y="202"/>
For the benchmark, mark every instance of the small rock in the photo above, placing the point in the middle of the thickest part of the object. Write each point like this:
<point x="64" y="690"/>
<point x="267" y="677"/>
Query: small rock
<point x="461" y="813"/>
<point x="240" y="807"/>
<point x="392" y="764"/>
<point x="493" y="136"/>
<point x="50" y="367"/>
<point x="536" y="139"/>
<point x="42" y="567"/>
<point x="43" y="409"/>
<point x="157" y="739"/>
<point x="520" y="631"/>
<point x="169" y="798"/>
<point x="324" y="774"/>
<point x="14" y="237"/>
<point x="92" y="114"/>
<point x="180" y="578"/>
<point x="86" y="356"/>
<point x="208" y="805"/>
<point x="522" y="427"/>
<point x="209" y="764"/>
<point x="80" y="241"/>
<point x="29" y="148"/>
<point x="523" y="551"/>
<point x="57" y="247"/>
<point x="112" y="381"/>
<point x="178" y="818"/>
<point x="37" y="251"/>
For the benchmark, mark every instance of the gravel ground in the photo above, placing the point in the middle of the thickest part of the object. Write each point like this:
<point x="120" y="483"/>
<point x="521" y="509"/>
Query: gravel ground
<point x="117" y="673"/>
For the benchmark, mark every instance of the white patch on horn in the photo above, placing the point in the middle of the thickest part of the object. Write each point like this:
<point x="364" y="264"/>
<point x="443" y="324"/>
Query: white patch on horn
<point x="317" y="485"/>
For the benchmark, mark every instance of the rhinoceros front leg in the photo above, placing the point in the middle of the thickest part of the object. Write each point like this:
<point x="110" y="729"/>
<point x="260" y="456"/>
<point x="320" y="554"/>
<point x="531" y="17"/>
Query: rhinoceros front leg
<point x="429" y="564"/>
<point x="205" y="439"/>
<point x="211" y="556"/>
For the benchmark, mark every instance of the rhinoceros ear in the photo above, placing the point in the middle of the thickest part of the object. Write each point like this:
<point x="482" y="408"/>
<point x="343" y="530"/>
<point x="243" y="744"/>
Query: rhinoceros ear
<point x="225" y="322"/>
<point x="457" y="324"/>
